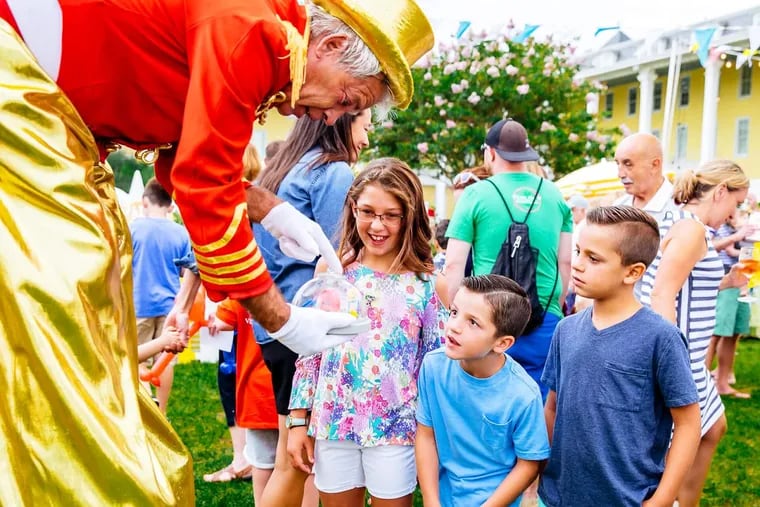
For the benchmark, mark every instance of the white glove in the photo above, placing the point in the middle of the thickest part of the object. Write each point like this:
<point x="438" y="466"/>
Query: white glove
<point x="299" y="237"/>
<point x="306" y="331"/>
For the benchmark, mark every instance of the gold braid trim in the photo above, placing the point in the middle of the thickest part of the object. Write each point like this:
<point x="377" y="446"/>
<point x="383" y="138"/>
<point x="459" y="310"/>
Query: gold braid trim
<point x="298" y="45"/>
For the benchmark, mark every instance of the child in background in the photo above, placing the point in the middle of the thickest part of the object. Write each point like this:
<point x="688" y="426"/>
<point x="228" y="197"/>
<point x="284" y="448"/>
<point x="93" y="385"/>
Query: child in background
<point x="619" y="379"/>
<point x="441" y="241"/>
<point x="362" y="394"/>
<point x="254" y="429"/>
<point x="480" y="423"/>
<point x="169" y="341"/>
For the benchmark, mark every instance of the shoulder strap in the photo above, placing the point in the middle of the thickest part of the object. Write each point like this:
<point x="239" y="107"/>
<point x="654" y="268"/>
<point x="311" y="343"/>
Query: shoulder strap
<point x="502" y="198"/>
<point x="532" y="203"/>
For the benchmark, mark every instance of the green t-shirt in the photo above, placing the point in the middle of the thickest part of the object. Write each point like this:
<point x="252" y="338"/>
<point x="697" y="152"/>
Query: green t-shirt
<point x="481" y="220"/>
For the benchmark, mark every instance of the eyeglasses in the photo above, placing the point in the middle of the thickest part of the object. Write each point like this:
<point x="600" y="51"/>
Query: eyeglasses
<point x="464" y="178"/>
<point x="368" y="215"/>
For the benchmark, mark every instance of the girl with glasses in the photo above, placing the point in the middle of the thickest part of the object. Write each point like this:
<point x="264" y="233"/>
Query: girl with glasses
<point x="362" y="394"/>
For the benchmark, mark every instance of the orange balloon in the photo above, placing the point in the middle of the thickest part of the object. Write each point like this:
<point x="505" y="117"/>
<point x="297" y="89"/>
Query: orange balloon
<point x="198" y="310"/>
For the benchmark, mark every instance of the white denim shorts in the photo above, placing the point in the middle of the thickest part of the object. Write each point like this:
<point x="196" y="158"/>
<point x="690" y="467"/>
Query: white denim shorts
<point x="261" y="448"/>
<point x="387" y="471"/>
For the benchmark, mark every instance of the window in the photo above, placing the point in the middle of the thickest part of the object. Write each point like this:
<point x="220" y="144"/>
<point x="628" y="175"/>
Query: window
<point x="745" y="81"/>
<point x="632" y="96"/>
<point x="657" y="102"/>
<point x="656" y="133"/>
<point x="742" y="137"/>
<point x="608" y="100"/>
<point x="684" y="89"/>
<point x="682" y="135"/>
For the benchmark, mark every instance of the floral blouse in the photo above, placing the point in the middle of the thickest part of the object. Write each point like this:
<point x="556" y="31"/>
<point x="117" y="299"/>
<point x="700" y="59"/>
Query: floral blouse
<point x="365" y="390"/>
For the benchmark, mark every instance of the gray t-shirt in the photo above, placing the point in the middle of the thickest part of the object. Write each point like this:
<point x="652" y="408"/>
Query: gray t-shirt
<point x="614" y="389"/>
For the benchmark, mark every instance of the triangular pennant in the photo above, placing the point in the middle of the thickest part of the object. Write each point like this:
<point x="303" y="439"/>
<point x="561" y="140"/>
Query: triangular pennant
<point x="742" y="58"/>
<point x="463" y="26"/>
<point x="529" y="29"/>
<point x="605" y="28"/>
<point x="703" y="37"/>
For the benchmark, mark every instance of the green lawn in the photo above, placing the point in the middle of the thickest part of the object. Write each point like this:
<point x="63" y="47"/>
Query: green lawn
<point x="196" y="413"/>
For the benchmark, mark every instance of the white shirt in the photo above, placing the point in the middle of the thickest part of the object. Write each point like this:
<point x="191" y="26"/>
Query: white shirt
<point x="659" y="205"/>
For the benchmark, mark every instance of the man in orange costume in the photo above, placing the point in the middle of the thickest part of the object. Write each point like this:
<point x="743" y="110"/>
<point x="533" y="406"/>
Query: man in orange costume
<point x="183" y="81"/>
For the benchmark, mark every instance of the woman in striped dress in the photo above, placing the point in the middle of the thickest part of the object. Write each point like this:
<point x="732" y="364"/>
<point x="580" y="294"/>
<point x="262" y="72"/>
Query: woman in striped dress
<point x="682" y="285"/>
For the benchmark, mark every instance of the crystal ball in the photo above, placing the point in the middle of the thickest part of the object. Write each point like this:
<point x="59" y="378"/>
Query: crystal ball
<point x="332" y="293"/>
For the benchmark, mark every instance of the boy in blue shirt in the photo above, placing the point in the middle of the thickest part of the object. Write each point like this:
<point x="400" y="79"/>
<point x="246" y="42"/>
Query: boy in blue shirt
<point x="619" y="379"/>
<point x="481" y="434"/>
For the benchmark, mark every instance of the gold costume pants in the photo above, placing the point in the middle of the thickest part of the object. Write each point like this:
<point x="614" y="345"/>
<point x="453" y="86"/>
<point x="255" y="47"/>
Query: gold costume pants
<point x="75" y="427"/>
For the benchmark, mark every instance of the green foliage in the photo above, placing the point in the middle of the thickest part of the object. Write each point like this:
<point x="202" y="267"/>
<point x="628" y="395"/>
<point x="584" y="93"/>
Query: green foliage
<point x="196" y="413"/>
<point x="461" y="90"/>
<point x="124" y="165"/>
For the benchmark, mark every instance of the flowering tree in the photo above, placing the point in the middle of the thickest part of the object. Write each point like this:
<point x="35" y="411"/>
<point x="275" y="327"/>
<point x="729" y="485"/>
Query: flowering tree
<point x="461" y="90"/>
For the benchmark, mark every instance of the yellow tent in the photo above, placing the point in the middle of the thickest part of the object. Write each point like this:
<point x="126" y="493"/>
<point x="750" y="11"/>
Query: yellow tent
<point x="591" y="181"/>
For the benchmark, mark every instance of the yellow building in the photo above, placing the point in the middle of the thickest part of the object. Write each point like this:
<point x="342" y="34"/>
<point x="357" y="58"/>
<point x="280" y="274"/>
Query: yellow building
<point x="714" y="110"/>
<point x="276" y="128"/>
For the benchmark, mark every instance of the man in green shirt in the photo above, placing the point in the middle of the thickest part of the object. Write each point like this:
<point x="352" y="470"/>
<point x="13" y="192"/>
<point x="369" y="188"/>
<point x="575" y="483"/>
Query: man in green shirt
<point x="481" y="222"/>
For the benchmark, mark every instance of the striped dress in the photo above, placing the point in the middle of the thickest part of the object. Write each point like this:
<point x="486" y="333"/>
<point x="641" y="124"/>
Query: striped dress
<point x="695" y="316"/>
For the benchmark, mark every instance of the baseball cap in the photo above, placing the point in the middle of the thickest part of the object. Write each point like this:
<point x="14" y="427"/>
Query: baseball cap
<point x="577" y="201"/>
<point x="510" y="140"/>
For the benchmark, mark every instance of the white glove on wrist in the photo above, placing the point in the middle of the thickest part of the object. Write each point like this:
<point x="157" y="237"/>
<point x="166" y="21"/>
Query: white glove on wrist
<point x="299" y="237"/>
<point x="306" y="331"/>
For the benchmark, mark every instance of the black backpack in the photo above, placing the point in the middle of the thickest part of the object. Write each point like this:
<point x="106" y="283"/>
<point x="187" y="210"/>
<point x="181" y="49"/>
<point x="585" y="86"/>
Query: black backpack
<point x="517" y="260"/>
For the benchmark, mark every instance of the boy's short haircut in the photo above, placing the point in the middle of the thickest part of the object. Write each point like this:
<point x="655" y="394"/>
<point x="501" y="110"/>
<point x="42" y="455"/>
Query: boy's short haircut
<point x="509" y="304"/>
<point x="156" y="194"/>
<point x="440" y="233"/>
<point x="638" y="235"/>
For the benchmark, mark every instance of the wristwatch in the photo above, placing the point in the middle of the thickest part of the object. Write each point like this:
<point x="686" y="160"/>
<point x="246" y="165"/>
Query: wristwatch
<point x="295" y="422"/>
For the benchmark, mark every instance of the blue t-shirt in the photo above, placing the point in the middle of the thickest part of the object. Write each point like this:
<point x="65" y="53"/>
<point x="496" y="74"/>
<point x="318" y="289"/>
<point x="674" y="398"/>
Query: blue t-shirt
<point x="481" y="425"/>
<point x="318" y="193"/>
<point x="614" y="390"/>
<point x="156" y="242"/>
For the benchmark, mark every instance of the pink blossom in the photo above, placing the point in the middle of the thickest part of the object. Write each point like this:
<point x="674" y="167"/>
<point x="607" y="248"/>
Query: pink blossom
<point x="491" y="60"/>
<point x="492" y="71"/>
<point x="592" y="135"/>
<point x="473" y="99"/>
<point x="442" y="112"/>
<point x="573" y="137"/>
<point x="450" y="124"/>
<point x="523" y="89"/>
<point x="439" y="101"/>
<point x="387" y="124"/>
<point x="488" y="92"/>
<point x="456" y="88"/>
<point x="428" y="76"/>
<point x="531" y="51"/>
<point x="474" y="68"/>
<point x="461" y="65"/>
<point x="464" y="84"/>
<point x="436" y="82"/>
<point x="512" y="70"/>
<point x="422" y="147"/>
<point x="435" y="136"/>
<point x="547" y="72"/>
<point x="590" y="97"/>
<point x="546" y="126"/>
<point x="448" y="69"/>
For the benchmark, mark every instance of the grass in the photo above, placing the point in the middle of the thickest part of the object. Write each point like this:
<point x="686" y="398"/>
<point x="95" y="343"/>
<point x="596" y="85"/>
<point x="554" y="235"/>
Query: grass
<point x="196" y="413"/>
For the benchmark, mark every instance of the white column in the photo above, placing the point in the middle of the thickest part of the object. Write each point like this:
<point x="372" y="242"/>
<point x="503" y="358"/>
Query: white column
<point x="710" y="111"/>
<point x="440" y="199"/>
<point x="646" y="99"/>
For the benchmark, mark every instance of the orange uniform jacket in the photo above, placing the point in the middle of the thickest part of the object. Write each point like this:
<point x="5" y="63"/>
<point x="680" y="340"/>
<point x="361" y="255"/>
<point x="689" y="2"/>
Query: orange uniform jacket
<point x="254" y="394"/>
<point x="190" y="73"/>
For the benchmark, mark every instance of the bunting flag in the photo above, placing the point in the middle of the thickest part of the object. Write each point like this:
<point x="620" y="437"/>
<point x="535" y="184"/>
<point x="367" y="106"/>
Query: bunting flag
<point x="702" y="44"/>
<point x="529" y="29"/>
<point x="745" y="56"/>
<point x="605" y="28"/>
<point x="463" y="26"/>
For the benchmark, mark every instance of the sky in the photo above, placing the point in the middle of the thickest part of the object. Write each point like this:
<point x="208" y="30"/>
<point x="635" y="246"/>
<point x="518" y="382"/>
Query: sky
<point x="568" y="18"/>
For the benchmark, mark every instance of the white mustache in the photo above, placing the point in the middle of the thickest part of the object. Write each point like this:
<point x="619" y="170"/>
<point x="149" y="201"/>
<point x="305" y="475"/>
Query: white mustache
<point x="625" y="181"/>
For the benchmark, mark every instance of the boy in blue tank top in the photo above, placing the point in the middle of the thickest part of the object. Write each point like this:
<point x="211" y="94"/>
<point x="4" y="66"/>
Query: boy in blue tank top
<point x="619" y="379"/>
<point x="481" y="434"/>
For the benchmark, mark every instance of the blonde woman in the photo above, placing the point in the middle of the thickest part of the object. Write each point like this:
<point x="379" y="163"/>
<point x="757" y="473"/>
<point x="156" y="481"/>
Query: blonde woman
<point x="682" y="285"/>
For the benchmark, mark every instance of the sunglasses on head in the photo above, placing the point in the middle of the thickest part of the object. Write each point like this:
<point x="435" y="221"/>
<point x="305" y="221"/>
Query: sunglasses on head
<point x="464" y="178"/>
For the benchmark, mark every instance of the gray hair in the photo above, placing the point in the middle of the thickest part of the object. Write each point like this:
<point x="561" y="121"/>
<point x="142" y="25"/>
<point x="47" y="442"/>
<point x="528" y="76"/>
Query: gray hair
<point x="357" y="59"/>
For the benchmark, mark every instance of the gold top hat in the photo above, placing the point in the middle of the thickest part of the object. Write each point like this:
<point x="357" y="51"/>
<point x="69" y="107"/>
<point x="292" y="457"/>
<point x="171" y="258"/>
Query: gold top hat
<point x="396" y="31"/>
